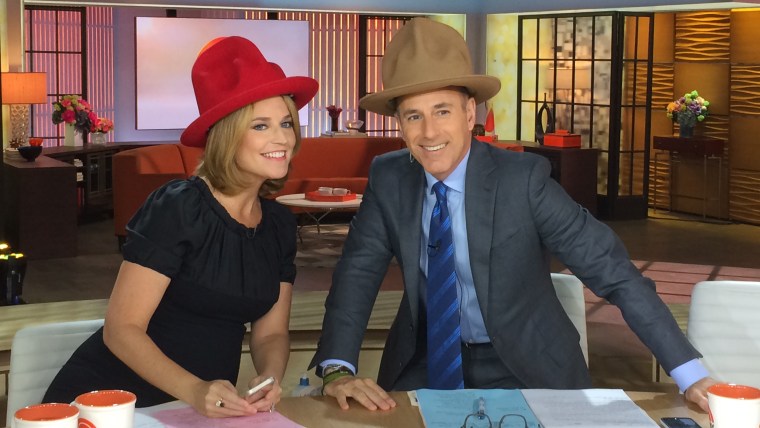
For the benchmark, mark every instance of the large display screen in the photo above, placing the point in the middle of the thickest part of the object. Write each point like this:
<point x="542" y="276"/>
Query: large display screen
<point x="166" y="49"/>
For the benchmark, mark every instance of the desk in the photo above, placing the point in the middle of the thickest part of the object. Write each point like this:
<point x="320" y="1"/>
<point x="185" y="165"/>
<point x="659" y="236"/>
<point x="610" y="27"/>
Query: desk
<point x="676" y="148"/>
<point x="318" y="412"/>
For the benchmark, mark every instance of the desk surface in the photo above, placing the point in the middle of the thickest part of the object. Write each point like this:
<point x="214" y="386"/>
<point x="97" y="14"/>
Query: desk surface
<point x="319" y="412"/>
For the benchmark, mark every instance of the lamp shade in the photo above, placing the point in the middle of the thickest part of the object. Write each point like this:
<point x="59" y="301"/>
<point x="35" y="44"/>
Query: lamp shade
<point x="24" y="88"/>
<point x="565" y="78"/>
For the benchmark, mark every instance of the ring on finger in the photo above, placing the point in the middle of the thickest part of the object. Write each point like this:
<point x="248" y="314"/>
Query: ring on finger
<point x="271" y="408"/>
<point x="219" y="403"/>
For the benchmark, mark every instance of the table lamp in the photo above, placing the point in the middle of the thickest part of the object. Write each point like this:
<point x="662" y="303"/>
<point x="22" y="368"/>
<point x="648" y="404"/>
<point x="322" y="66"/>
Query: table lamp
<point x="564" y="86"/>
<point x="20" y="90"/>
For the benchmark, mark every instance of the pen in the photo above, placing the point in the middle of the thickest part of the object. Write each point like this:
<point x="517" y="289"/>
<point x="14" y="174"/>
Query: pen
<point x="259" y="387"/>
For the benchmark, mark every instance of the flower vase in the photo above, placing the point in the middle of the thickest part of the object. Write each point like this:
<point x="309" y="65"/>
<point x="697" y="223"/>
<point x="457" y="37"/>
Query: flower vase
<point x="98" y="138"/>
<point x="685" y="131"/>
<point x="72" y="137"/>
<point x="334" y="125"/>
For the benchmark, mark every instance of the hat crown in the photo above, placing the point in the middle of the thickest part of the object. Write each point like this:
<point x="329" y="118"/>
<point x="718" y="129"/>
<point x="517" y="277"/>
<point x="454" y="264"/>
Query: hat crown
<point x="422" y="51"/>
<point x="216" y="79"/>
<point x="424" y="56"/>
<point x="230" y="73"/>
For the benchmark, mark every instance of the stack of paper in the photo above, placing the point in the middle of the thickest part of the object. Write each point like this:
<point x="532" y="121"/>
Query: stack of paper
<point x="542" y="408"/>
<point x="590" y="408"/>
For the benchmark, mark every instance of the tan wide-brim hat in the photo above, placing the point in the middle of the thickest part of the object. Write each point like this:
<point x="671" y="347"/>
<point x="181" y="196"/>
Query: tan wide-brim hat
<point x="424" y="56"/>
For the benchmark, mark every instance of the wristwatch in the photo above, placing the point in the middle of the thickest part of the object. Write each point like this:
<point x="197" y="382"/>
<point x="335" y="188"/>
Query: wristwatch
<point x="332" y="368"/>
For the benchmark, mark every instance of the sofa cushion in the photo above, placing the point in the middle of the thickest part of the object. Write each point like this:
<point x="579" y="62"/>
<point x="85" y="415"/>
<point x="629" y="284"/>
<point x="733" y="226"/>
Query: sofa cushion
<point x="339" y="156"/>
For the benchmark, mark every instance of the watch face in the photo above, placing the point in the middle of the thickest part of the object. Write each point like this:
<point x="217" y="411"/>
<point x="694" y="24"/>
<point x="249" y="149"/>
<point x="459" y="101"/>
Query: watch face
<point x="332" y="368"/>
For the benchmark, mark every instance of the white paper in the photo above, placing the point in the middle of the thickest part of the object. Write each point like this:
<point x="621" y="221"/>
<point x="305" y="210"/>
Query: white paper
<point x="588" y="408"/>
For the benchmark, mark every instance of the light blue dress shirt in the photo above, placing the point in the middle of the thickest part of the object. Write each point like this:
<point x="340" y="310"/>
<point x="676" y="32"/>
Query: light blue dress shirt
<point x="471" y="319"/>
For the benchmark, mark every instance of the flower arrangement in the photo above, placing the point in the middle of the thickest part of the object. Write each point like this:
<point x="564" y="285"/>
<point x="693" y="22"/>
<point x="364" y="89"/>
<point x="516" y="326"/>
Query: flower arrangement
<point x="102" y="124"/>
<point x="688" y="110"/>
<point x="334" y="111"/>
<point x="73" y="110"/>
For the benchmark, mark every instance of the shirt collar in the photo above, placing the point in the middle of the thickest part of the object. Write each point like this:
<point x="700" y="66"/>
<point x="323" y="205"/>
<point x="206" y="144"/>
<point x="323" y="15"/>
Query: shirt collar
<point x="455" y="180"/>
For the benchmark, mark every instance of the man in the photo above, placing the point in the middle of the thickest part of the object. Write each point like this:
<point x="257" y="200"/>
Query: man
<point x="472" y="227"/>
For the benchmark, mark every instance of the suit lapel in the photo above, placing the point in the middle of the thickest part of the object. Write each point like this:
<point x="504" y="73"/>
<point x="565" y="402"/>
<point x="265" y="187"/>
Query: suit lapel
<point x="480" y="198"/>
<point x="411" y="189"/>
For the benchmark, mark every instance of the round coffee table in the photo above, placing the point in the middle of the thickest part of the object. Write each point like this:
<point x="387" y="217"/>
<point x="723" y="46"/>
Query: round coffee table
<point x="318" y="210"/>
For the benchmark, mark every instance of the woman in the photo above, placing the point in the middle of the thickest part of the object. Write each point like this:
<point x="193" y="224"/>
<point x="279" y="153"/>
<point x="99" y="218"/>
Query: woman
<point x="208" y="254"/>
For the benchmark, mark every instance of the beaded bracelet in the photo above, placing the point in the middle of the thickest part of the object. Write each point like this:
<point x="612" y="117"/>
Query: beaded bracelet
<point x="335" y="375"/>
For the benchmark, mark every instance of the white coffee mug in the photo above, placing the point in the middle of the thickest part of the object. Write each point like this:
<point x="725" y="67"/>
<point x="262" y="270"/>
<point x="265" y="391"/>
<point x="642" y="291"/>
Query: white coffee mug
<point x="111" y="408"/>
<point x="46" y="415"/>
<point x="733" y="406"/>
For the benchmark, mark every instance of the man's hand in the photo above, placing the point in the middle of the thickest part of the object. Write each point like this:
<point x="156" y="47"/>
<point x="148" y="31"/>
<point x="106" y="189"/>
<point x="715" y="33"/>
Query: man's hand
<point x="364" y="390"/>
<point x="697" y="392"/>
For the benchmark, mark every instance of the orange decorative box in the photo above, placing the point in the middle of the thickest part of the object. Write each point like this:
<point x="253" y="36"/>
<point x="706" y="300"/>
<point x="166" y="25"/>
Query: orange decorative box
<point x="562" y="138"/>
<point x="315" y="196"/>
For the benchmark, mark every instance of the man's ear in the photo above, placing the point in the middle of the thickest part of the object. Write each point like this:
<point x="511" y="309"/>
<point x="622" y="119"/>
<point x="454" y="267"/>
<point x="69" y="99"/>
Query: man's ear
<point x="470" y="109"/>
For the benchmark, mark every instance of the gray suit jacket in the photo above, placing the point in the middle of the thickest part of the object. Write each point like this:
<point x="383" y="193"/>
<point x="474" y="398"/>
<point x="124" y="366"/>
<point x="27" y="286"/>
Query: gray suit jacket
<point x="516" y="216"/>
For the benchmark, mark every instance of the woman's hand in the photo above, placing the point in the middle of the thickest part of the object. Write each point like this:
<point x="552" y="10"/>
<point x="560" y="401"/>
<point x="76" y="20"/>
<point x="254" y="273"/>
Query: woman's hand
<point x="220" y="399"/>
<point x="265" y="399"/>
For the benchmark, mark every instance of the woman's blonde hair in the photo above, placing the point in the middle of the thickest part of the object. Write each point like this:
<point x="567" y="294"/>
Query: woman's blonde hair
<point x="218" y="164"/>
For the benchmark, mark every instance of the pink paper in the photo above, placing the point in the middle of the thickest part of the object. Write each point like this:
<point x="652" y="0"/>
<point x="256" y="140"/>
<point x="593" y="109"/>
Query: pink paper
<point x="189" y="418"/>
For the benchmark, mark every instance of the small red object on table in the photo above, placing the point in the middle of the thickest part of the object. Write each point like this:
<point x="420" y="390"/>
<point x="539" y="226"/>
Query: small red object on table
<point x="316" y="196"/>
<point x="562" y="138"/>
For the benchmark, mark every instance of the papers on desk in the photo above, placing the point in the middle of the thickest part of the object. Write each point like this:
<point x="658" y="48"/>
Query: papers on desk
<point x="588" y="408"/>
<point x="592" y="408"/>
<point x="441" y="409"/>
<point x="187" y="417"/>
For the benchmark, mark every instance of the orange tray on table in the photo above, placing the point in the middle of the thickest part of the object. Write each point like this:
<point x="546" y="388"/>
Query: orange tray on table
<point x="315" y="196"/>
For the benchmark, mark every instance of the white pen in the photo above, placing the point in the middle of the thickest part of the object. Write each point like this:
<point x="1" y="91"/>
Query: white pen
<point x="259" y="387"/>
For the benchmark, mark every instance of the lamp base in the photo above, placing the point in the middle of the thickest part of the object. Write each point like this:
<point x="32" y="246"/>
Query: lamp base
<point x="19" y="125"/>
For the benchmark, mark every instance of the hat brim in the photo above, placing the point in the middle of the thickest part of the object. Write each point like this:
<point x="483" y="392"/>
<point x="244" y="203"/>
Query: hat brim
<point x="301" y="89"/>
<point x="481" y="87"/>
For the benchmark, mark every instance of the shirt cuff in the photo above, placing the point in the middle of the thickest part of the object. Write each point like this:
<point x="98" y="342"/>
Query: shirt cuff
<point x="324" y="364"/>
<point x="689" y="373"/>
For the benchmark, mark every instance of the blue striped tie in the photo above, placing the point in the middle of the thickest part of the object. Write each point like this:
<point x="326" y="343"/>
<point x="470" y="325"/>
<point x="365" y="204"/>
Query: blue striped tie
<point x="443" y="333"/>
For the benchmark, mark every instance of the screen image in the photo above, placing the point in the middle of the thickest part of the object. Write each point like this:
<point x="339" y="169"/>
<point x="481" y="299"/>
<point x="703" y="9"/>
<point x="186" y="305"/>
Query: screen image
<point x="166" y="49"/>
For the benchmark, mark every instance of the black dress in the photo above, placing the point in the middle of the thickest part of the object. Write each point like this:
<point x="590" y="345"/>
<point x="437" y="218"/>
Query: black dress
<point x="223" y="275"/>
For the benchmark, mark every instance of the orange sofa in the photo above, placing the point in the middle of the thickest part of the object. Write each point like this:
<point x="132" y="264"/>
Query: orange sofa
<point x="323" y="161"/>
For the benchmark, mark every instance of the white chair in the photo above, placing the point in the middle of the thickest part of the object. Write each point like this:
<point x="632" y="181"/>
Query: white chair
<point x="724" y="325"/>
<point x="569" y="290"/>
<point x="37" y="354"/>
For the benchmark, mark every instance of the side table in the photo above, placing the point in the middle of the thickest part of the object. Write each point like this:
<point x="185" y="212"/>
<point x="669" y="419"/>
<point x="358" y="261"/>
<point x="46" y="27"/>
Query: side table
<point x="322" y="209"/>
<point x="707" y="148"/>
<point x="575" y="169"/>
<point x="39" y="211"/>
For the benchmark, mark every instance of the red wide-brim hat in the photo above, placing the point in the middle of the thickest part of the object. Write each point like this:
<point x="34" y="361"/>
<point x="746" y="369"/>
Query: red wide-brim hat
<point x="230" y="73"/>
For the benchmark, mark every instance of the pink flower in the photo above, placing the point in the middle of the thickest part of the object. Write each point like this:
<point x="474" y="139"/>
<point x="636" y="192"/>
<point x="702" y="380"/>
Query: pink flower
<point x="68" y="116"/>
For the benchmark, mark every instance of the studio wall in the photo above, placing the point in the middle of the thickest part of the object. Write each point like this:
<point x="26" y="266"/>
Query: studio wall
<point x="714" y="53"/>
